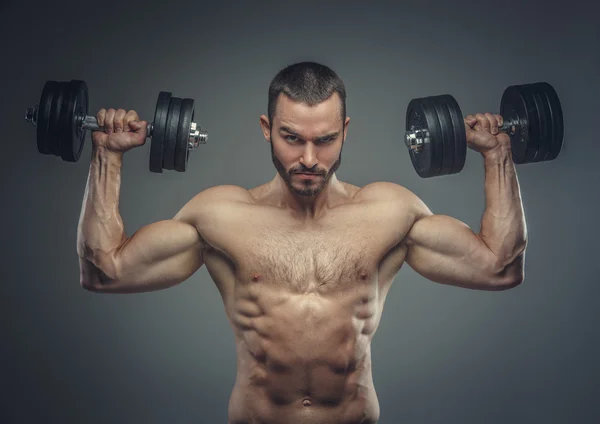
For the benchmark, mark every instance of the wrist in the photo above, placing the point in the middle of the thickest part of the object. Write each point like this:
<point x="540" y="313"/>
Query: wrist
<point x="104" y="155"/>
<point x="498" y="153"/>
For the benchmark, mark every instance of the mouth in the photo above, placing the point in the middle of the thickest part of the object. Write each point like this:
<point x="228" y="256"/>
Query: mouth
<point x="305" y="175"/>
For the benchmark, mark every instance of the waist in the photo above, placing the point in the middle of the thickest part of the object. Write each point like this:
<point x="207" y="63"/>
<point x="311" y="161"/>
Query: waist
<point x="284" y="376"/>
<point x="289" y="399"/>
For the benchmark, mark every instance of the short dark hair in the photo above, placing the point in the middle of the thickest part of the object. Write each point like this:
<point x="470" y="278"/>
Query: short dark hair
<point x="306" y="82"/>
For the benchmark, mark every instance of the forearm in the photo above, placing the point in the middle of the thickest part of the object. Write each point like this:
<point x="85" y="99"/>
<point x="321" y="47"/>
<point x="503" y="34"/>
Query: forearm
<point x="503" y="226"/>
<point x="100" y="230"/>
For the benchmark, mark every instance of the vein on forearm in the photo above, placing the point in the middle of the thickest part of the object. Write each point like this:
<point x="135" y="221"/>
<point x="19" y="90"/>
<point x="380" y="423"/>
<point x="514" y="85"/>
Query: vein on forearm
<point x="503" y="226"/>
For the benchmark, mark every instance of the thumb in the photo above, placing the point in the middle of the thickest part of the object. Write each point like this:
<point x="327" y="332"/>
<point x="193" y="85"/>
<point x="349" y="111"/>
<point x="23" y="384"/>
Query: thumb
<point x="139" y="128"/>
<point x="137" y="125"/>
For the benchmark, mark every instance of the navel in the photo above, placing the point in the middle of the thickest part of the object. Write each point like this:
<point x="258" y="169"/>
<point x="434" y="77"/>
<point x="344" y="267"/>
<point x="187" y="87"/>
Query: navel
<point x="306" y="402"/>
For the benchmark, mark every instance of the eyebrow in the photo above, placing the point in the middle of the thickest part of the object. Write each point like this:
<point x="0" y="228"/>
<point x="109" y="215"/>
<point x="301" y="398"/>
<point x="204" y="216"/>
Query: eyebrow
<point x="289" y="130"/>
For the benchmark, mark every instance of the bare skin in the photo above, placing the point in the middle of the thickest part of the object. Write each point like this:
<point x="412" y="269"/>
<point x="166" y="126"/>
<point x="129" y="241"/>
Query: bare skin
<point x="303" y="265"/>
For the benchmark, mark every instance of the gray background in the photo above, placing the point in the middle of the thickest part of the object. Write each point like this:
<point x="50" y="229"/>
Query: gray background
<point x="442" y="354"/>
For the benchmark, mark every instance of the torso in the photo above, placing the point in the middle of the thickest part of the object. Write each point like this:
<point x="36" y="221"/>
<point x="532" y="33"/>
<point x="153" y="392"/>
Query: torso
<point x="304" y="299"/>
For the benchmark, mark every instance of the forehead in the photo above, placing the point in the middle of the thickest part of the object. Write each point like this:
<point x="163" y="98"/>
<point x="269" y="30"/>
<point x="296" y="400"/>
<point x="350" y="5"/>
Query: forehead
<point x="300" y="117"/>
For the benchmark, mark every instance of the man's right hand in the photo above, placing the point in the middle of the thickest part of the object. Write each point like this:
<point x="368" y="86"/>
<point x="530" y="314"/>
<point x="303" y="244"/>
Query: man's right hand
<point x="122" y="130"/>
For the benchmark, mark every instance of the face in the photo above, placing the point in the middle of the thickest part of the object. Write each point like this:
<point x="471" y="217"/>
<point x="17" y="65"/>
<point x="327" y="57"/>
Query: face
<point x="306" y="140"/>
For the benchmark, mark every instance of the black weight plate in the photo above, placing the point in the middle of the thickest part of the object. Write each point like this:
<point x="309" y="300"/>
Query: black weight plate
<point x="187" y="152"/>
<point x="513" y="108"/>
<point x="171" y="133"/>
<point x="75" y="107"/>
<point x="43" y="116"/>
<point x="54" y="126"/>
<point x="183" y="134"/>
<point x="81" y="110"/>
<point x="447" y="132"/>
<point x="423" y="161"/>
<point x="544" y="120"/>
<point x="435" y="136"/>
<point x="158" y="131"/>
<point x="460" y="134"/>
<point x="533" y="127"/>
<point x="550" y="119"/>
<point x="65" y="122"/>
<point x="557" y="119"/>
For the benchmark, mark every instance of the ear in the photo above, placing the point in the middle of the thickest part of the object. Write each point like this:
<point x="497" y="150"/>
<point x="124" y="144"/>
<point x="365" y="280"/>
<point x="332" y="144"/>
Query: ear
<point x="346" y="123"/>
<point x="266" y="129"/>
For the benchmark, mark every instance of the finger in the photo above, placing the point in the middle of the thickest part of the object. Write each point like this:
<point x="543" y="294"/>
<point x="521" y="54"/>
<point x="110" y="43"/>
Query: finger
<point x="493" y="123"/>
<point x="500" y="120"/>
<point x="108" y="121"/>
<point x="482" y="122"/>
<point x="470" y="120"/>
<point x="118" y="120"/>
<point x="100" y="117"/>
<point x="131" y="116"/>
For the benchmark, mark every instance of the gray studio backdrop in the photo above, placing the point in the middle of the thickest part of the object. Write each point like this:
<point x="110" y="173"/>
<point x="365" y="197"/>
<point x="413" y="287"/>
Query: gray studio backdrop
<point x="442" y="354"/>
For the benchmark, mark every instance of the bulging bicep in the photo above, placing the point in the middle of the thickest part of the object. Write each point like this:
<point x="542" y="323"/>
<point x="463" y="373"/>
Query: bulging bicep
<point x="155" y="257"/>
<point x="445" y="250"/>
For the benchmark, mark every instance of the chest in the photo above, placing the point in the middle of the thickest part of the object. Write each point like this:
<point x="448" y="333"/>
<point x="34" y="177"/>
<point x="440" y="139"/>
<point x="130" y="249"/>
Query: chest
<point x="304" y="259"/>
<point x="264" y="246"/>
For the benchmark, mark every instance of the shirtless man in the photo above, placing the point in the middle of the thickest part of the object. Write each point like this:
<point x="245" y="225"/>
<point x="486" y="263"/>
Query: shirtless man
<point x="303" y="262"/>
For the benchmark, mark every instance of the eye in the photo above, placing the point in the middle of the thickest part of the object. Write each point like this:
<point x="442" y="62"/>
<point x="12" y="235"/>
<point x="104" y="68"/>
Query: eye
<point x="288" y="137"/>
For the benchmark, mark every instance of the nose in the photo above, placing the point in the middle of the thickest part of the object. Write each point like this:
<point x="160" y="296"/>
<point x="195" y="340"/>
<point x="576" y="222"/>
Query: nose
<point x="309" y="157"/>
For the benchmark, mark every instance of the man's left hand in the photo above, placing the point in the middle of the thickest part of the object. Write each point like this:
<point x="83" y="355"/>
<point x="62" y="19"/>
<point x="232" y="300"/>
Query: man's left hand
<point x="483" y="135"/>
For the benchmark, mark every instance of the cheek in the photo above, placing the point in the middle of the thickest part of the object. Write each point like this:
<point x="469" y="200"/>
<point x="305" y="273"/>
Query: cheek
<point x="286" y="156"/>
<point x="330" y="156"/>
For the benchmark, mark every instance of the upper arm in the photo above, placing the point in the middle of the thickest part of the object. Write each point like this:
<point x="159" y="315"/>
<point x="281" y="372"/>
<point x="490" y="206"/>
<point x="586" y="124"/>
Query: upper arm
<point x="157" y="256"/>
<point x="164" y="253"/>
<point x="445" y="250"/>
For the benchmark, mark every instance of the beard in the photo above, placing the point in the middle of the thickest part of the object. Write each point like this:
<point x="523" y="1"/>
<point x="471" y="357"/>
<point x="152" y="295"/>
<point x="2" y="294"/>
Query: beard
<point x="309" y="188"/>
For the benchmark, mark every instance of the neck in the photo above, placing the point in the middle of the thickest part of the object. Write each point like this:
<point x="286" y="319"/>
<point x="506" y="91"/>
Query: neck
<point x="305" y="207"/>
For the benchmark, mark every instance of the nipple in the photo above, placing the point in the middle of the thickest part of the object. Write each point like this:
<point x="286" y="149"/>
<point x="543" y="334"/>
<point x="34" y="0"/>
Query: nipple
<point x="364" y="275"/>
<point x="255" y="277"/>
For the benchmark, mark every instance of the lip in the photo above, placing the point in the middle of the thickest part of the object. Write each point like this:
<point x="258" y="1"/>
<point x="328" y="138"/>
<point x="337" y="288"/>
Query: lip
<point x="301" y="175"/>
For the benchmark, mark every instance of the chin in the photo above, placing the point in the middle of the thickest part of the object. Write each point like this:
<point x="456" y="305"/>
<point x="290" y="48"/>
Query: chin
<point x="307" y="191"/>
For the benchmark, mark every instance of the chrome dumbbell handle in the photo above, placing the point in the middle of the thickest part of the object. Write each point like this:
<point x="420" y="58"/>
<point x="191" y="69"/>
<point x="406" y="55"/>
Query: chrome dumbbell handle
<point x="197" y="136"/>
<point x="415" y="139"/>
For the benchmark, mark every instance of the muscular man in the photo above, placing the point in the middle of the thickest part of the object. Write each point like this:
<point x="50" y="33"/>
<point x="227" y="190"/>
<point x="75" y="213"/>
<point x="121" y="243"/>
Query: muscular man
<point x="303" y="262"/>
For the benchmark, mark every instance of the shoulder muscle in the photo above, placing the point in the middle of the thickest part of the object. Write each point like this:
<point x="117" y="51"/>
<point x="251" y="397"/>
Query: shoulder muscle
<point x="394" y="194"/>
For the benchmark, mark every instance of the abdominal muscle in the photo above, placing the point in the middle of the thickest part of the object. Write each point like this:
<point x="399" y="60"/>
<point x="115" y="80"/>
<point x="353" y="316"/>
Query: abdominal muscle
<point x="304" y="357"/>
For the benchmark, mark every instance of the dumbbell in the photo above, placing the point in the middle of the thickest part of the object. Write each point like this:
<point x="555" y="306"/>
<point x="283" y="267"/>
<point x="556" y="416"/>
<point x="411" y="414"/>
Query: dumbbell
<point x="62" y="123"/>
<point x="437" y="142"/>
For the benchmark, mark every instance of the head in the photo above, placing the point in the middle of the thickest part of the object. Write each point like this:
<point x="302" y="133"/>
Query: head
<point x="306" y="125"/>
